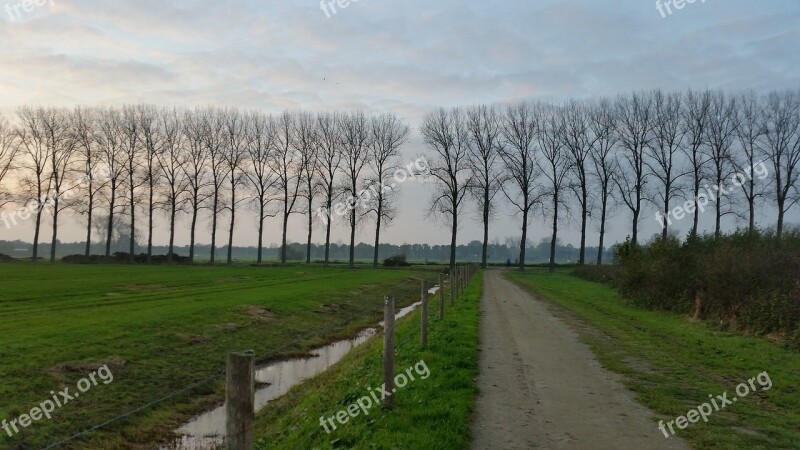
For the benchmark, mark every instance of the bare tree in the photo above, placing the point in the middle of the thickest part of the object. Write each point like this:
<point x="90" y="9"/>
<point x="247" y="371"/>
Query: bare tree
<point x="388" y="135"/>
<point x="196" y="169"/>
<point x="9" y="148"/>
<point x="635" y="114"/>
<point x="483" y="127"/>
<point x="750" y="134"/>
<point x="260" y="145"/>
<point x="445" y="132"/>
<point x="235" y="155"/>
<point x="152" y="140"/>
<point x="60" y="140"/>
<point x="579" y="140"/>
<point x="603" y="123"/>
<point x="355" y="134"/>
<point x="87" y="160"/>
<point x="664" y="162"/>
<point x="287" y="165"/>
<point x="110" y="141"/>
<point x="132" y="165"/>
<point x="519" y="156"/>
<point x="783" y="149"/>
<point x="35" y="182"/>
<point x="555" y="164"/>
<point x="330" y="160"/>
<point x="307" y="144"/>
<point x="720" y="137"/>
<point x="171" y="157"/>
<point x="214" y="142"/>
<point x="697" y="109"/>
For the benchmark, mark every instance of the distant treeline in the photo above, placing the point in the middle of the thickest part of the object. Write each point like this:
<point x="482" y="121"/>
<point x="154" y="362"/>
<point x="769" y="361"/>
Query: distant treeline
<point x="339" y="252"/>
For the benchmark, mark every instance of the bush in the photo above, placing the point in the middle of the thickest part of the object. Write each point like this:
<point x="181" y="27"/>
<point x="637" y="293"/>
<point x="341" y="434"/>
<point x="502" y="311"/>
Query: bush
<point x="743" y="281"/>
<point x="396" y="261"/>
<point x="599" y="274"/>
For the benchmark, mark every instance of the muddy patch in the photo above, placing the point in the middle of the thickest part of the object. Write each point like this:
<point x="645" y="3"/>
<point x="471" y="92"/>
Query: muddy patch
<point x="227" y="326"/>
<point x="193" y="338"/>
<point x="65" y="370"/>
<point x="328" y="309"/>
<point x="259" y="313"/>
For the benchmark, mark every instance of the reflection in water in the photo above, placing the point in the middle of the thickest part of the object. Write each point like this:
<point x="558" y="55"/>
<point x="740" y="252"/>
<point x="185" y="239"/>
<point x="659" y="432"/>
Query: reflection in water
<point x="207" y="430"/>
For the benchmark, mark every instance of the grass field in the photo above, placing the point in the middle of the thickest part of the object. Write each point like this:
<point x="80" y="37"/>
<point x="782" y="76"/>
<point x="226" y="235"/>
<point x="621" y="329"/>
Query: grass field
<point x="673" y="364"/>
<point x="160" y="329"/>
<point x="430" y="413"/>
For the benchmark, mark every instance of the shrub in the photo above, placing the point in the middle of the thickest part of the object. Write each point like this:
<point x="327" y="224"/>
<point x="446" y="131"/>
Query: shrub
<point x="747" y="281"/>
<point x="396" y="261"/>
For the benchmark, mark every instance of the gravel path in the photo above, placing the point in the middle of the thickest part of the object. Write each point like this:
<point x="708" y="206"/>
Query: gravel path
<point x="540" y="388"/>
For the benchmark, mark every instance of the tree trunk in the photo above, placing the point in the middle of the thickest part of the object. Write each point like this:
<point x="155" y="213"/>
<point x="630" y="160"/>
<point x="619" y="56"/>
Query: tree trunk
<point x="233" y="222"/>
<point x="555" y="234"/>
<point x="55" y="231"/>
<point x="172" y="213"/>
<point x="665" y="228"/>
<point x="133" y="228"/>
<point x="584" y="214"/>
<point x="352" y="237"/>
<point x="150" y="209"/>
<point x="283" y="238"/>
<point x="214" y="228"/>
<point x="696" y="215"/>
<point x="453" y="236"/>
<point x="191" y="235"/>
<point x="260" y="231"/>
<point x="310" y="225"/>
<point x="485" y="228"/>
<point x="39" y="207"/>
<point x="89" y="226"/>
<point x="328" y="205"/>
<point x="110" y="219"/>
<point x="522" y="245"/>
<point x="602" y="229"/>
<point x="378" y="231"/>
<point x="751" y="203"/>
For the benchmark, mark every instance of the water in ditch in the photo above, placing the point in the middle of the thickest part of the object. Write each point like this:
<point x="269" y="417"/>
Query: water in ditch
<point x="206" y="431"/>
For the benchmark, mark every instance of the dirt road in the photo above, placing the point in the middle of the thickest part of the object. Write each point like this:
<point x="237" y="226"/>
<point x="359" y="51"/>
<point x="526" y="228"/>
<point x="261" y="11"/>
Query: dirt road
<point x="540" y="388"/>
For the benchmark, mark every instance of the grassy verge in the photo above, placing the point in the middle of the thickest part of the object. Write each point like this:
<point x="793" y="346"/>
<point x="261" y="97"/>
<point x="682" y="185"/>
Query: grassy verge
<point x="160" y="329"/>
<point x="430" y="413"/>
<point x="673" y="364"/>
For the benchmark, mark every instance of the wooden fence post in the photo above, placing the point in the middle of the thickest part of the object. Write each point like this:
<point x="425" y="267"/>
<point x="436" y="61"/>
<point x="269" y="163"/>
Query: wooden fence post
<point x="240" y="400"/>
<point x="388" y="351"/>
<point x="452" y="287"/>
<point x="424" y="319"/>
<point x="441" y="296"/>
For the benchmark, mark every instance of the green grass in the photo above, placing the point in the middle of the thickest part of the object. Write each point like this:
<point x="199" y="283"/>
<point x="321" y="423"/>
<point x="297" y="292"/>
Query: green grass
<point x="433" y="413"/>
<point x="673" y="364"/>
<point x="161" y="329"/>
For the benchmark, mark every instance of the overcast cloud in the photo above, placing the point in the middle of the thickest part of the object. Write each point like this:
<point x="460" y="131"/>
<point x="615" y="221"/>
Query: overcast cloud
<point x="380" y="55"/>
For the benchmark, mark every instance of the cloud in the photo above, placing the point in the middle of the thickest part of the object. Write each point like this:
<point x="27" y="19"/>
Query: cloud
<point x="382" y="55"/>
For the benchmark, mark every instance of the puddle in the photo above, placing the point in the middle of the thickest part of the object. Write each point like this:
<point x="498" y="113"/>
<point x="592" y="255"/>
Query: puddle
<point x="206" y="431"/>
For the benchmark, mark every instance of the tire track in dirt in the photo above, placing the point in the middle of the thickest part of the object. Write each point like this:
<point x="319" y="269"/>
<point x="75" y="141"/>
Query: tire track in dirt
<point x="541" y="388"/>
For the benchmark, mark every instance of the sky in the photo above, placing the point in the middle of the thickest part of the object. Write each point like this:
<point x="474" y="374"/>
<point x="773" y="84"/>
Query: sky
<point x="404" y="57"/>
